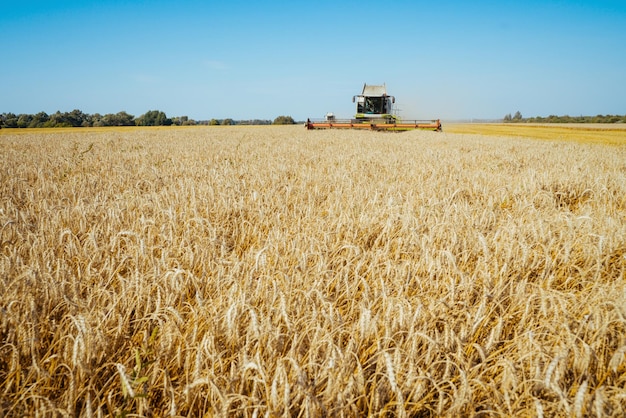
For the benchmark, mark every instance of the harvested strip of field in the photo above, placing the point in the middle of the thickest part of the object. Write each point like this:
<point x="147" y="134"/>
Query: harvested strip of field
<point x="614" y="134"/>
<point x="275" y="271"/>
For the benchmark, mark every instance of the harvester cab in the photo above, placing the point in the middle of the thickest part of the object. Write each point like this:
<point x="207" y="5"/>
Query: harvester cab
<point x="375" y="111"/>
<point x="373" y="104"/>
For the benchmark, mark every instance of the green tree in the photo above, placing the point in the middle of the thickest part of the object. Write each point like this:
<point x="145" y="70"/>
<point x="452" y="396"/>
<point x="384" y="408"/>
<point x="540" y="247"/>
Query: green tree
<point x="107" y="120"/>
<point x="182" y="121"/>
<point x="23" y="120"/>
<point x="118" y="119"/>
<point x="59" y="120"/>
<point x="75" y="117"/>
<point x="227" y="121"/>
<point x="125" y="119"/>
<point x="214" y="122"/>
<point x="508" y="117"/>
<point x="284" y="120"/>
<point x="154" y="118"/>
<point x="39" y="120"/>
<point x="10" y="120"/>
<point x="96" y="119"/>
<point x="517" y="117"/>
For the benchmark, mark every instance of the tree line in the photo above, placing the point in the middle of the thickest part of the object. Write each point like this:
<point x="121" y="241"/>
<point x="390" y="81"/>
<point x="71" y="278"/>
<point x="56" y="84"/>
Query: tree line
<point x="77" y="118"/>
<point x="518" y="118"/>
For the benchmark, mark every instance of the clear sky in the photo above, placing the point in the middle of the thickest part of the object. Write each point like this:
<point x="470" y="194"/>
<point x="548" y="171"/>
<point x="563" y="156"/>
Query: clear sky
<point x="451" y="59"/>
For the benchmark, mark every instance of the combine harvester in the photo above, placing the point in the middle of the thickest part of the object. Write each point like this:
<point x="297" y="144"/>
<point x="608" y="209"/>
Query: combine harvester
<point x="374" y="110"/>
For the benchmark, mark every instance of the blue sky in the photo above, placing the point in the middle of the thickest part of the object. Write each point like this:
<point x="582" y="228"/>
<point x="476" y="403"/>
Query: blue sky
<point x="252" y="59"/>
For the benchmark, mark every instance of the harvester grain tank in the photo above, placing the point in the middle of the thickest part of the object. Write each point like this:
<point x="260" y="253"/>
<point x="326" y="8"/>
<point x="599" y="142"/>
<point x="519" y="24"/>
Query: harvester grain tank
<point x="374" y="110"/>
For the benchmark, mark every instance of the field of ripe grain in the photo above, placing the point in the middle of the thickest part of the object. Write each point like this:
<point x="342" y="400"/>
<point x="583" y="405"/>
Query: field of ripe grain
<point x="599" y="133"/>
<point x="274" y="271"/>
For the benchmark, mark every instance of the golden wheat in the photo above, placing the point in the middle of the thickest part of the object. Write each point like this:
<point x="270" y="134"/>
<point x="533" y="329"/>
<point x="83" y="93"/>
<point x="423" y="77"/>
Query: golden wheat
<point x="274" y="271"/>
<point x="599" y="133"/>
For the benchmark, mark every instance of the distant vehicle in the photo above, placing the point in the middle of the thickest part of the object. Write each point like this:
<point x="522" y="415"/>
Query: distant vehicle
<point x="374" y="110"/>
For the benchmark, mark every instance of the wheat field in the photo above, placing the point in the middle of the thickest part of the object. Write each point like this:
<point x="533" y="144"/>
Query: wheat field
<point x="599" y="133"/>
<point x="273" y="271"/>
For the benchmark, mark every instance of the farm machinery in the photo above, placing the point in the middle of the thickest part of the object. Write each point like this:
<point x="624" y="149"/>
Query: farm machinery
<point x="374" y="110"/>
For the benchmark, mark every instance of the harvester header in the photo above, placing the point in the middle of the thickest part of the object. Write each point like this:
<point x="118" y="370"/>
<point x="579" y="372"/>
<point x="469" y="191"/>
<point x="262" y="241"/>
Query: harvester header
<point x="374" y="110"/>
